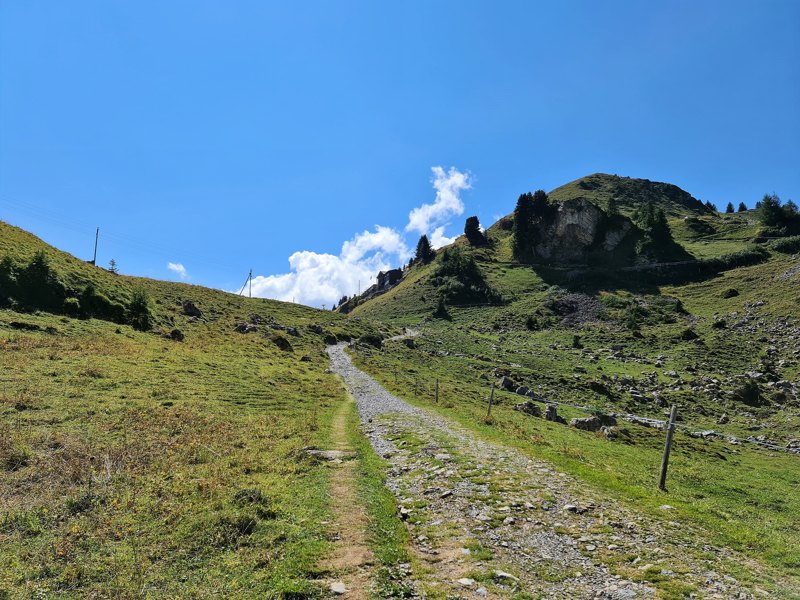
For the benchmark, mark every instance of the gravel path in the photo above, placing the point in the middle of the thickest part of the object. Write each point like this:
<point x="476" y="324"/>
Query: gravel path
<point x="488" y="521"/>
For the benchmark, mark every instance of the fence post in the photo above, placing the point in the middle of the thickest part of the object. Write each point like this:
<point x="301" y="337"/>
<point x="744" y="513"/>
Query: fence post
<point x="491" y="399"/>
<point x="437" y="390"/>
<point x="662" y="480"/>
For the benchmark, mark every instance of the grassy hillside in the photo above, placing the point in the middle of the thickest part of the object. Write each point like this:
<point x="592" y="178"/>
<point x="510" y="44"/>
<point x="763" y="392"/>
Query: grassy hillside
<point x="630" y="193"/>
<point x="136" y="465"/>
<point x="722" y="344"/>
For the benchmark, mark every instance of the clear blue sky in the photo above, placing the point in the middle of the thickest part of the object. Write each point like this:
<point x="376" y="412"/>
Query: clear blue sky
<point x="231" y="134"/>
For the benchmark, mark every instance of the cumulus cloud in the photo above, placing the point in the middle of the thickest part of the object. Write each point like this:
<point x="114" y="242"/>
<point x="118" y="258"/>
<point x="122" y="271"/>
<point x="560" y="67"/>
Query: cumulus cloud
<point x="178" y="269"/>
<point x="319" y="279"/>
<point x="322" y="279"/>
<point x="432" y="218"/>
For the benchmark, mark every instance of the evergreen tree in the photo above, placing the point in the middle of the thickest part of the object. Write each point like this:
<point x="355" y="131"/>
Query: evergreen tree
<point x="425" y="252"/>
<point x="770" y="212"/>
<point x="472" y="229"/>
<point x="742" y="207"/>
<point x="729" y="208"/>
<point x="112" y="266"/>
<point x="523" y="216"/>
<point x="611" y="207"/>
<point x="710" y="206"/>
<point x="790" y="210"/>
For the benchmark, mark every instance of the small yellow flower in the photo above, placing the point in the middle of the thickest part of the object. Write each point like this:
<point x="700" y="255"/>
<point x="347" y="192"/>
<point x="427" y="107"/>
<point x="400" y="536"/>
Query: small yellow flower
<point x="75" y="529"/>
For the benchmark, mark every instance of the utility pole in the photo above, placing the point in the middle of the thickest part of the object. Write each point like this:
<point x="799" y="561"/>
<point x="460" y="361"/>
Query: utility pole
<point x="662" y="480"/>
<point x="250" y="278"/>
<point x="96" y="238"/>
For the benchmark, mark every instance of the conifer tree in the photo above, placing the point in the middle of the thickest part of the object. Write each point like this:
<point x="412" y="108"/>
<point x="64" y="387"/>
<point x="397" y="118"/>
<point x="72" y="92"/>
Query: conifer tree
<point x="472" y="229"/>
<point x="523" y="215"/>
<point x="729" y="208"/>
<point x="742" y="207"/>
<point x="425" y="252"/>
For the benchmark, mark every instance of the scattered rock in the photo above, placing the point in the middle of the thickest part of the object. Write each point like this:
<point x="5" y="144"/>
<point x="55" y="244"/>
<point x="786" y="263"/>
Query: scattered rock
<point x="529" y="408"/>
<point x="176" y="335"/>
<point x="338" y="588"/>
<point x="592" y="423"/>
<point x="190" y="309"/>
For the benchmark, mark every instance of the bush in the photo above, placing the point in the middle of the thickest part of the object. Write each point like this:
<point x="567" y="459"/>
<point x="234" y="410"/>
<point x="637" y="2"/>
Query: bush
<point x="460" y="280"/>
<point x="139" y="313"/>
<point x="789" y="245"/>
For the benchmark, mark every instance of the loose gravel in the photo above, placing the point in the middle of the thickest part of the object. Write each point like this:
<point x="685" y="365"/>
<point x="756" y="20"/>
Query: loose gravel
<point x="488" y="521"/>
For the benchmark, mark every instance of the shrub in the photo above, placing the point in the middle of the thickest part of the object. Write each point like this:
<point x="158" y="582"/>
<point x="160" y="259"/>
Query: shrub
<point x="472" y="230"/>
<point x="788" y="245"/>
<point x="460" y="280"/>
<point x="139" y="313"/>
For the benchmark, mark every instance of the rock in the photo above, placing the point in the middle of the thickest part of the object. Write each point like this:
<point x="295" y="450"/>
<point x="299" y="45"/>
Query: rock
<point x="281" y="342"/>
<point x="316" y="328"/>
<point x="190" y="309"/>
<point x="243" y="327"/>
<point x="305" y="358"/>
<point x="293" y="331"/>
<point x="570" y="508"/>
<point x="466" y="582"/>
<point x="498" y="574"/>
<point x="688" y="334"/>
<point x="529" y="408"/>
<point x="338" y="588"/>
<point x="506" y="384"/>
<point x="176" y="335"/>
<point x="592" y="423"/>
<point x="522" y="390"/>
<point x="723" y="420"/>
<point x="482" y="592"/>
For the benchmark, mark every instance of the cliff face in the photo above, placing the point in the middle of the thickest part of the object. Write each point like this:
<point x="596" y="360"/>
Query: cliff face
<point x="578" y="232"/>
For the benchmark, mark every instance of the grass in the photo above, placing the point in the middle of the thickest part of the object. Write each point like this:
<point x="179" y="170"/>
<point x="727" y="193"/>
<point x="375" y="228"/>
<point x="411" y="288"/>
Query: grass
<point x="388" y="536"/>
<point x="134" y="465"/>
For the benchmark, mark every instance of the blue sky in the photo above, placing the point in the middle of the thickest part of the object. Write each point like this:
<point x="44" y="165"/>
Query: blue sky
<point x="227" y="135"/>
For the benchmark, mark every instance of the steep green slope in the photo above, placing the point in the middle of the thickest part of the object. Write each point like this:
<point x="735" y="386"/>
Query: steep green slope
<point x="136" y="465"/>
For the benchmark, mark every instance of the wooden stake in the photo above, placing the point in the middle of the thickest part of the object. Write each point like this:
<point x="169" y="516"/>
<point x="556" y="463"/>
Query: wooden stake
<point x="662" y="480"/>
<point x="491" y="399"/>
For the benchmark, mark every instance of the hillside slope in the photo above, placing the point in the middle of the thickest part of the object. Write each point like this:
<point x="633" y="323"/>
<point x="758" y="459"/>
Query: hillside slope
<point x="134" y="464"/>
<point x="719" y="341"/>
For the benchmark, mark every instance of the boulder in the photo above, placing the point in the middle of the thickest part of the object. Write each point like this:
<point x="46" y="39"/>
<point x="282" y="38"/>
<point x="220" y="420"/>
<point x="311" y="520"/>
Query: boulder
<point x="176" y="335"/>
<point x="529" y="408"/>
<point x="281" y="342"/>
<point x="243" y="327"/>
<point x="522" y="390"/>
<point x="190" y="309"/>
<point x="506" y="383"/>
<point x="592" y="423"/>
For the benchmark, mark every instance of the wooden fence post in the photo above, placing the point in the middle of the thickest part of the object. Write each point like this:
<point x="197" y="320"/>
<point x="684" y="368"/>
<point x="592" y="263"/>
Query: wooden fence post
<point x="437" y="390"/>
<point x="662" y="480"/>
<point x="491" y="399"/>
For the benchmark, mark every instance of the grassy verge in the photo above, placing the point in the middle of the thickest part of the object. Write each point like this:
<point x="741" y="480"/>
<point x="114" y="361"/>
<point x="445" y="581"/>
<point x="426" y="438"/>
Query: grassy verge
<point x="388" y="535"/>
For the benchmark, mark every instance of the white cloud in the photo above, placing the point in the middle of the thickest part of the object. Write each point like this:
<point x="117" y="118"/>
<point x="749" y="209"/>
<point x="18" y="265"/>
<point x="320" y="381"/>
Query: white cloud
<point x="178" y="269"/>
<point x="322" y="279"/>
<point x="427" y="218"/>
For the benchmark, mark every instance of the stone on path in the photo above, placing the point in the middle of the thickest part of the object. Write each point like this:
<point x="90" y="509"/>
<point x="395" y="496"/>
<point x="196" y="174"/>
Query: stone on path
<point x="338" y="588"/>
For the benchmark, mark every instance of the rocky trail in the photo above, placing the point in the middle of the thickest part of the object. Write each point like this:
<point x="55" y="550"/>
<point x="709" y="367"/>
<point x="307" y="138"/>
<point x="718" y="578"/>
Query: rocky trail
<point x="488" y="521"/>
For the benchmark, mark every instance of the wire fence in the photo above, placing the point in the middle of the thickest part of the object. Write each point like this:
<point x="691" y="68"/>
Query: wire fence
<point x="689" y="429"/>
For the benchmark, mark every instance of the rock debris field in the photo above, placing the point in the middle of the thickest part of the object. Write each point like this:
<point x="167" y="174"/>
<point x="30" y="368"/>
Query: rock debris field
<point x="488" y="521"/>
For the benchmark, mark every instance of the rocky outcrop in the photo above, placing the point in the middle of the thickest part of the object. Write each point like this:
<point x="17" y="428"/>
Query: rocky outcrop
<point x="578" y="230"/>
